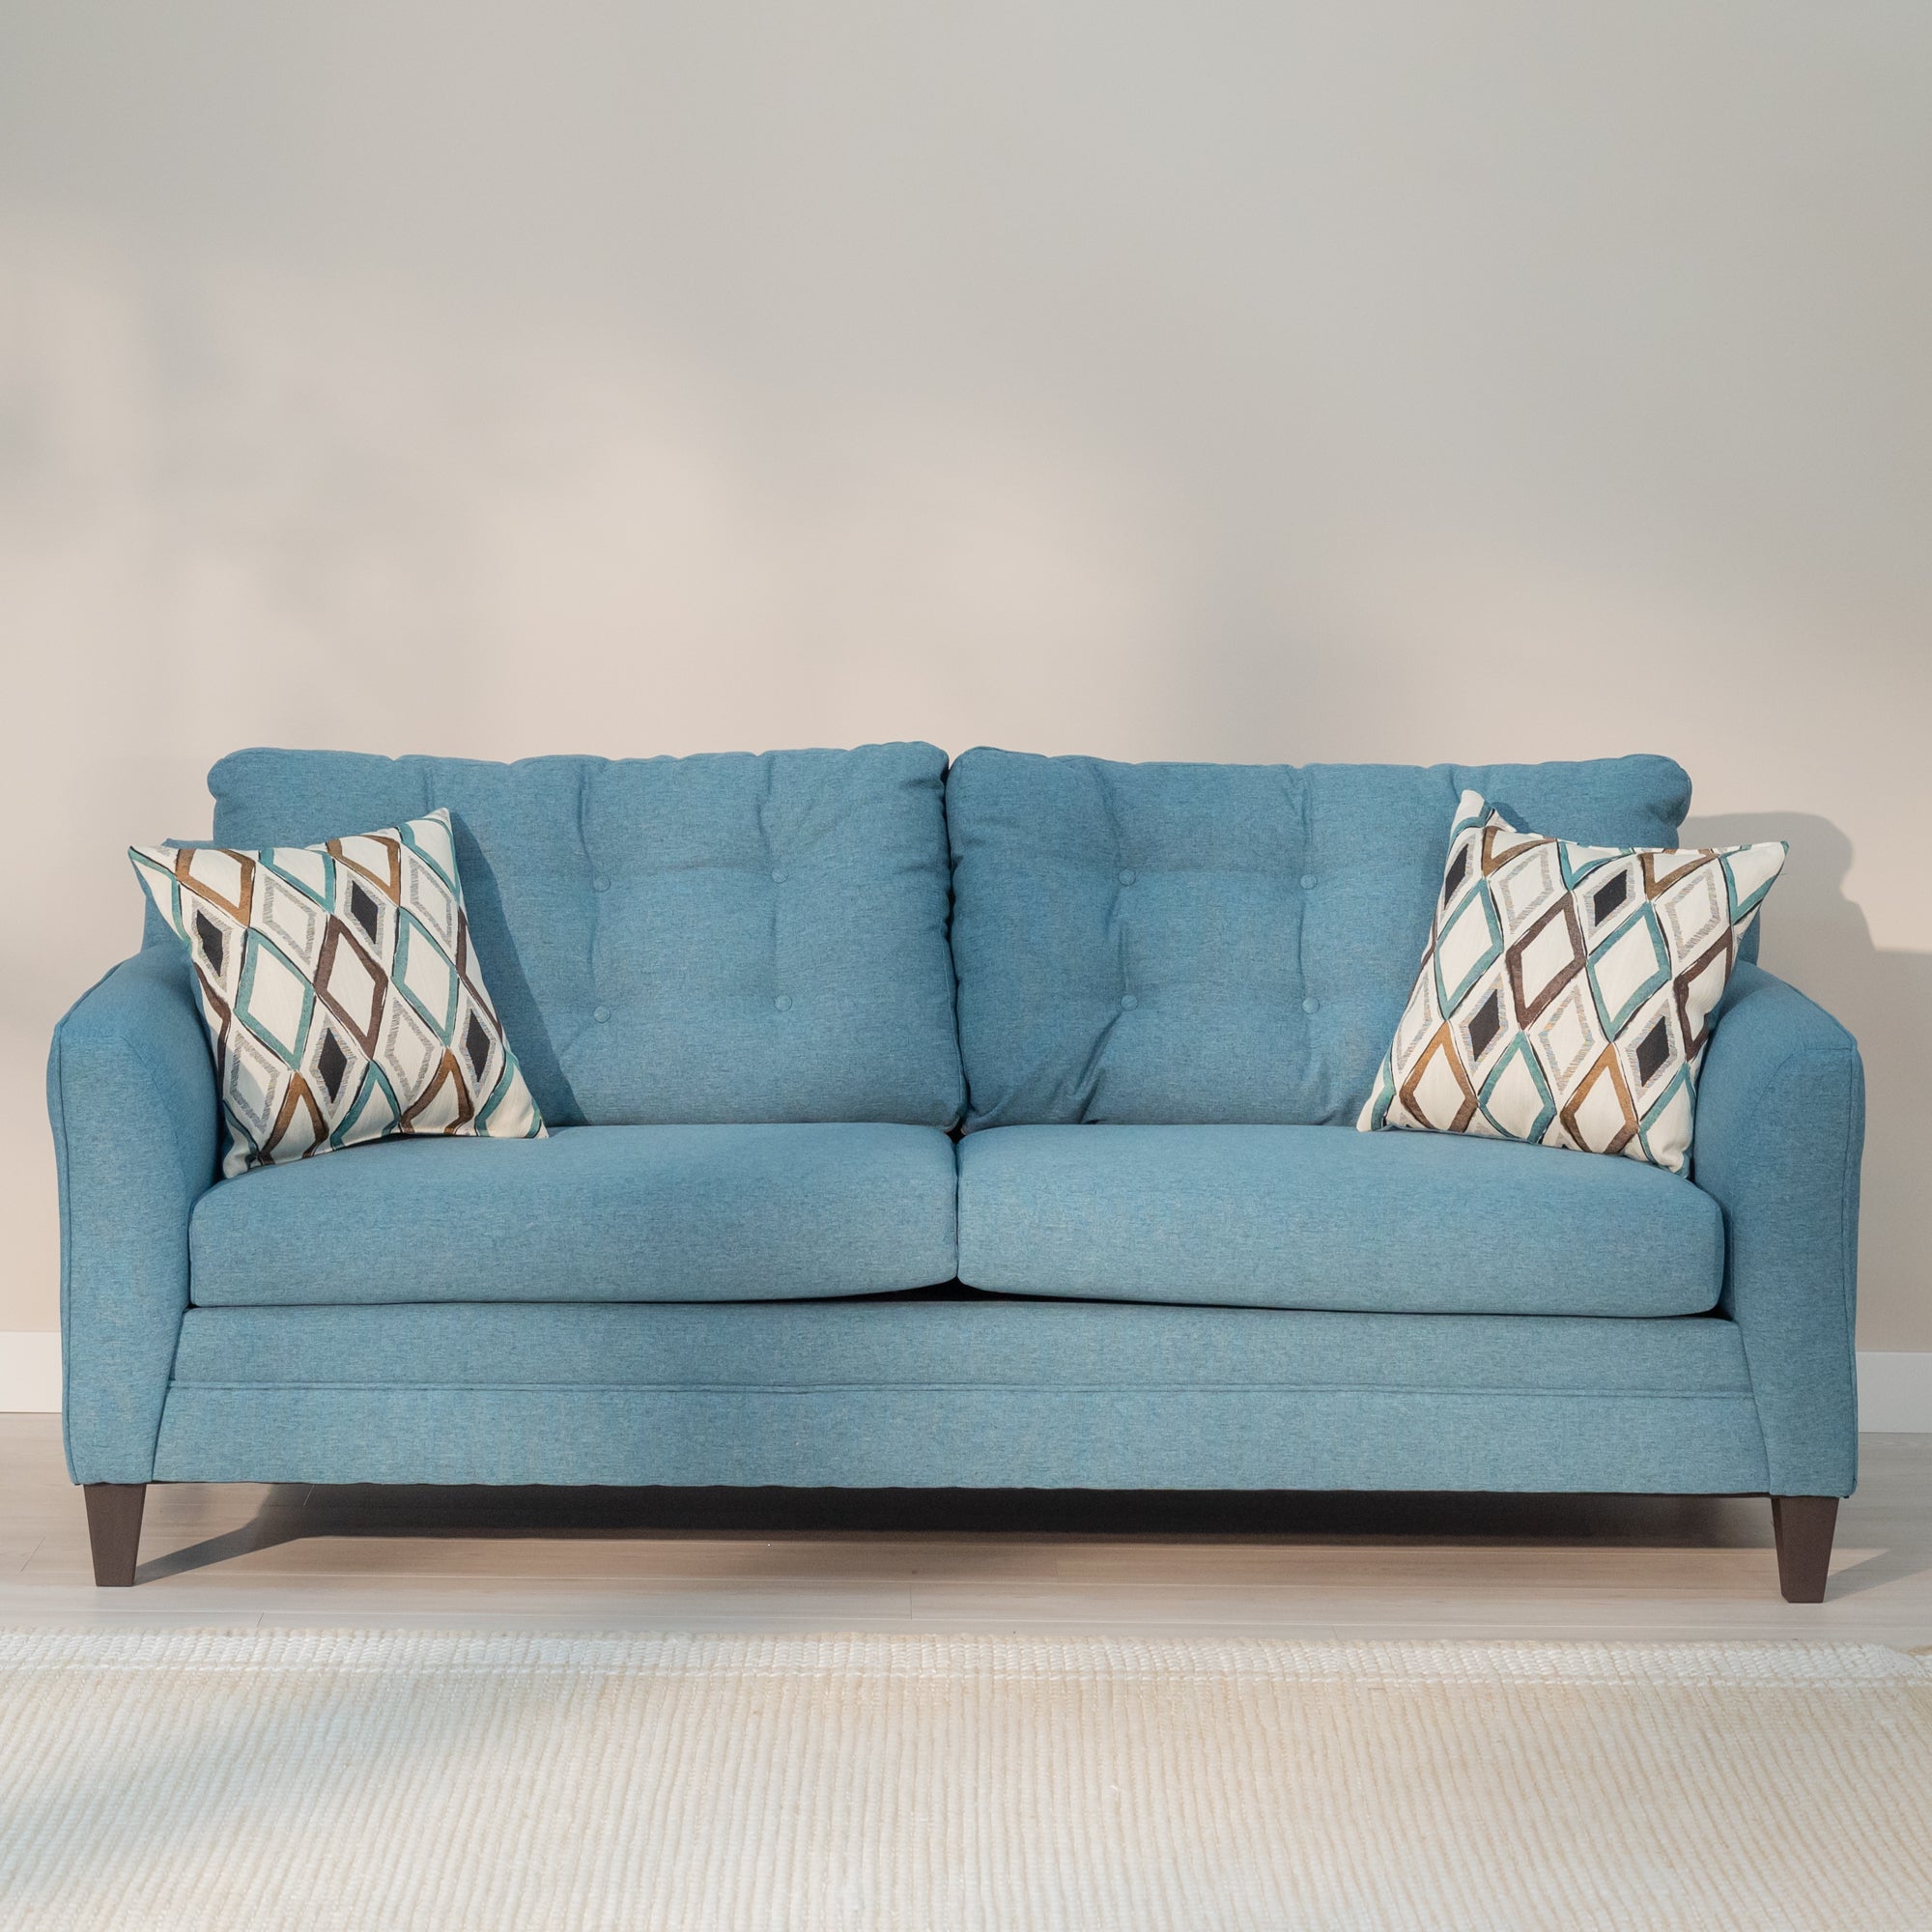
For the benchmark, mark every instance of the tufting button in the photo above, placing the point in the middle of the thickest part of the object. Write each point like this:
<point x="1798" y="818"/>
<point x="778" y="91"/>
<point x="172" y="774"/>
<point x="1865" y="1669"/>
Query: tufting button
<point x="1128" y="876"/>
<point x="1308" y="882"/>
<point x="779" y="875"/>
<point x="1310" y="1005"/>
<point x="601" y="1014"/>
<point x="600" y="883"/>
<point x="783" y="1002"/>
<point x="1128" y="1003"/>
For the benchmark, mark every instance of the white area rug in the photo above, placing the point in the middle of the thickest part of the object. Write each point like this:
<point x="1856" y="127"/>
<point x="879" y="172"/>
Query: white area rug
<point x="376" y="1781"/>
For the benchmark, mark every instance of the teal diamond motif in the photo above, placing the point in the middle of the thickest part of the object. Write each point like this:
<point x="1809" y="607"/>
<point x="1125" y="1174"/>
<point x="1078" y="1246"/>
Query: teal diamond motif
<point x="424" y="975"/>
<point x="1680" y="1083"/>
<point x="1521" y="1072"/>
<point x="158" y="880"/>
<point x="487" y="1112"/>
<point x="1469" y="944"/>
<point x="429" y="859"/>
<point x="377" y="1090"/>
<point x="323" y="894"/>
<point x="1579" y="861"/>
<point x="1383" y="1097"/>
<point x="1626" y="969"/>
<point x="274" y="998"/>
<point x="1750" y="898"/>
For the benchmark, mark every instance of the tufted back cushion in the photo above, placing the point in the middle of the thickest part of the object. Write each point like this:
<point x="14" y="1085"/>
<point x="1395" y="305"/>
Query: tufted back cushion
<point x="728" y="938"/>
<point x="1206" y="944"/>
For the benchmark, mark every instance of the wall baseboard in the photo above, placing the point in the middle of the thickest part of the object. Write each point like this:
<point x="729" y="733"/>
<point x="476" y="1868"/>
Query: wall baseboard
<point x="1895" y="1391"/>
<point x="30" y="1370"/>
<point x="1894" y="1385"/>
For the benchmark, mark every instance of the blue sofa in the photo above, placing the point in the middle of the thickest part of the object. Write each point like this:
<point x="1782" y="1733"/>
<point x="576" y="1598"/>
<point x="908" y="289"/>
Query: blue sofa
<point x="989" y="1126"/>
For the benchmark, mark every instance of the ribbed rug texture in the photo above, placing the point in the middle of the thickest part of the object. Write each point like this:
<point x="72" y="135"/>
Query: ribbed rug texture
<point x="410" y="1782"/>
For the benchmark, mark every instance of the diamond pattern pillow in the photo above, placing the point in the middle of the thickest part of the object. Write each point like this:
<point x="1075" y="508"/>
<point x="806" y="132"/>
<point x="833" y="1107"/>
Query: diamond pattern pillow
<point x="340" y="992"/>
<point x="1565" y="991"/>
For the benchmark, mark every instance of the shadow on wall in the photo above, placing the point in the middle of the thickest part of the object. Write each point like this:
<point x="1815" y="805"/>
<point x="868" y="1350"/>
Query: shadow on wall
<point x="1818" y="939"/>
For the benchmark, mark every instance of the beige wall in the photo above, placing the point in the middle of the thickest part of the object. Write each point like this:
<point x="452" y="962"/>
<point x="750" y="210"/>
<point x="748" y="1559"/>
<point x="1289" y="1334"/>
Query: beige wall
<point x="1358" y="381"/>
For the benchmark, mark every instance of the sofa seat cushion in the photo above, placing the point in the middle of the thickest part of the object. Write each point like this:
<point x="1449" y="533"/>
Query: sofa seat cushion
<point x="1326" y="1218"/>
<point x="699" y="1213"/>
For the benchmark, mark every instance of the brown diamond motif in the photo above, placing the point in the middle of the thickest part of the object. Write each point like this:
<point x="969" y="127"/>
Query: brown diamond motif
<point x="1554" y="957"/>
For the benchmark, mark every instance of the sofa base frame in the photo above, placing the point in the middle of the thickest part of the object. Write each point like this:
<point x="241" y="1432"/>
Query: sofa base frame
<point x="1803" y="1526"/>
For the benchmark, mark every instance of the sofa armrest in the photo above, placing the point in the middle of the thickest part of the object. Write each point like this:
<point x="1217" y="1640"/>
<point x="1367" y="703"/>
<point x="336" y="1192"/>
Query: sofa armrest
<point x="1780" y="1127"/>
<point x="131" y="1093"/>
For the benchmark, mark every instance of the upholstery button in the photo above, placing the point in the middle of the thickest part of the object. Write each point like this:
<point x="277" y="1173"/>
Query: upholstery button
<point x="1310" y="1005"/>
<point x="783" y="1002"/>
<point x="600" y="883"/>
<point x="779" y="875"/>
<point x="1308" y="882"/>
<point x="1128" y="876"/>
<point x="601" y="1014"/>
<point x="1128" y="1003"/>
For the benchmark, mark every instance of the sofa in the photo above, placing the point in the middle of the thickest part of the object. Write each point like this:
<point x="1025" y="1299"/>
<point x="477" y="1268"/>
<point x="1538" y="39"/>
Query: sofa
<point x="989" y="1125"/>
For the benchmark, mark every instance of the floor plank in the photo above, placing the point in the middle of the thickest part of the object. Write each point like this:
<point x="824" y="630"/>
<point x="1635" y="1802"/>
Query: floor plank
<point x="1312" y="1566"/>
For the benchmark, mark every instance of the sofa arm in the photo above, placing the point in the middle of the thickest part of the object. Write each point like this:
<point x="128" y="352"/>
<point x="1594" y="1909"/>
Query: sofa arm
<point x="1781" y="1126"/>
<point x="131" y="1093"/>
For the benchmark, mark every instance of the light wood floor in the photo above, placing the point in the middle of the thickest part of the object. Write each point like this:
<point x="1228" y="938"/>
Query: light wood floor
<point x="1312" y="1566"/>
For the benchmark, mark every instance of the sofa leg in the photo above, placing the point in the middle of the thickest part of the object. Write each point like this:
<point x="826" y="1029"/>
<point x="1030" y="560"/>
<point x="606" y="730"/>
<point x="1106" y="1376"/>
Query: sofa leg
<point x="114" y="1530"/>
<point x="1803" y="1527"/>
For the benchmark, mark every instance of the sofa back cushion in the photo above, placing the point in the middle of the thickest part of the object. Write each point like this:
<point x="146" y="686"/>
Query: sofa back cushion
<point x="724" y="938"/>
<point x="1219" y="943"/>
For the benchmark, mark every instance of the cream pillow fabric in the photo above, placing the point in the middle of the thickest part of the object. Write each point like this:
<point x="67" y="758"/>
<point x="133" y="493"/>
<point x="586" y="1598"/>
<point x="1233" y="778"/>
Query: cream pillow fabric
<point x="340" y="991"/>
<point x="1565" y="993"/>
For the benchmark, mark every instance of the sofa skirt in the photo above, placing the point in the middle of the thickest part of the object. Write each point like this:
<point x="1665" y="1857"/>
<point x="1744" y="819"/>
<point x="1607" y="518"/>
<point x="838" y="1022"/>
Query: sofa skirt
<point x="978" y="1392"/>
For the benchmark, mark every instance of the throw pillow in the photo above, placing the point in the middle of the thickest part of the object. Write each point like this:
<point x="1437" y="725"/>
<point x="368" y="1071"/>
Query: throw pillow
<point x="340" y="992"/>
<point x="1566" y="991"/>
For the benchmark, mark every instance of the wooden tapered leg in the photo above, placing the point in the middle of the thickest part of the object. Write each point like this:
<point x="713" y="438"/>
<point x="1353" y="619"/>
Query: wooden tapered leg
<point x="1803" y="1527"/>
<point x="114" y="1530"/>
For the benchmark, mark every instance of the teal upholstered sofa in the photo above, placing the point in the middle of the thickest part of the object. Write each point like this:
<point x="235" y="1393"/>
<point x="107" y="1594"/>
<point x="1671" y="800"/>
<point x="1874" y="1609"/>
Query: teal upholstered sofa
<point x="990" y="1127"/>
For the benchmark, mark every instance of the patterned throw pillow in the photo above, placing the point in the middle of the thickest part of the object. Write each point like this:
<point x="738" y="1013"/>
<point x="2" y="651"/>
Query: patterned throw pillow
<point x="1565" y="991"/>
<point x="340" y="992"/>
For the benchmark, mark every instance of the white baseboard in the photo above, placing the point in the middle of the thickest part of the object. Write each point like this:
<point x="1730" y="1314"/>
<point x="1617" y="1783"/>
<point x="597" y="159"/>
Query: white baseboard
<point x="1894" y="1385"/>
<point x="1895" y="1391"/>
<point x="30" y="1377"/>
